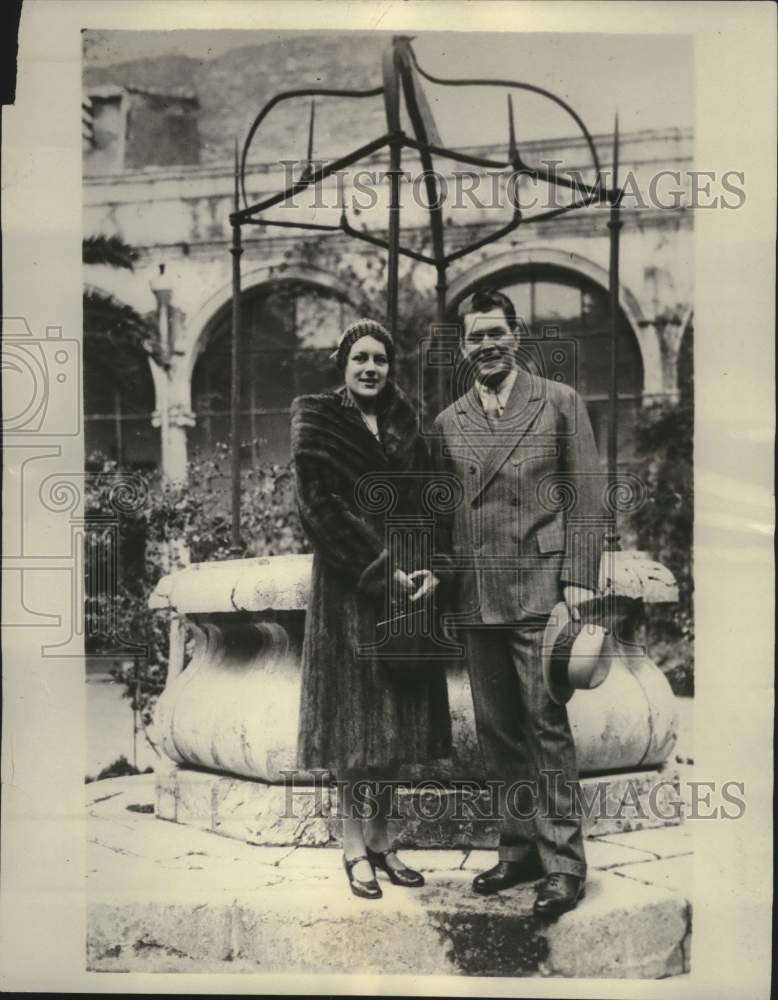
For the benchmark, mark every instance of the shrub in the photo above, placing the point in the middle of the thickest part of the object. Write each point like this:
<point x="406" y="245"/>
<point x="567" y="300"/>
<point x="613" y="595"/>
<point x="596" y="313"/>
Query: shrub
<point x="664" y="527"/>
<point x="118" y="769"/>
<point x="168" y="526"/>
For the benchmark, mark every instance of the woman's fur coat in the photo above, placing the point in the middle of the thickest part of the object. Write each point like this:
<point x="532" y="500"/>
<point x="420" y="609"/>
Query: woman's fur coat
<point x="357" y="711"/>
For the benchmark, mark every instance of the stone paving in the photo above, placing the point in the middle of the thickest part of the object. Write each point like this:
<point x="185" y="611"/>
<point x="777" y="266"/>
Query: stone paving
<point x="163" y="897"/>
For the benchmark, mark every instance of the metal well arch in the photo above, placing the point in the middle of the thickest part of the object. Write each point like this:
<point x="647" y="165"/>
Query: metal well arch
<point x="401" y="73"/>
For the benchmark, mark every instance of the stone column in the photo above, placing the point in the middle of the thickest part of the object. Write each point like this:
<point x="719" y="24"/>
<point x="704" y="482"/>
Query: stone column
<point x="180" y="418"/>
<point x="173" y="414"/>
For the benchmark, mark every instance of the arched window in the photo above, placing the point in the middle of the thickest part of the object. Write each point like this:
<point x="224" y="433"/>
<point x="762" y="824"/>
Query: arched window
<point x="288" y="332"/>
<point x="118" y="405"/>
<point x="565" y="322"/>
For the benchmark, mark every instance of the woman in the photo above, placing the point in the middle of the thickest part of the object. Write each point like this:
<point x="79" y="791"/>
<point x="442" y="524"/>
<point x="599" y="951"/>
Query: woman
<point x="360" y="718"/>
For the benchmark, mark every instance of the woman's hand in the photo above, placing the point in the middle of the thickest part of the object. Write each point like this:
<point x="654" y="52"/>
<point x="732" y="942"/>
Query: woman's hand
<point x="402" y="582"/>
<point x="428" y="584"/>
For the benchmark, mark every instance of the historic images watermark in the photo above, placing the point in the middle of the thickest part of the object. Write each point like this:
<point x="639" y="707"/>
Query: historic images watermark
<point x="545" y="187"/>
<point x="44" y="407"/>
<point x="46" y="373"/>
<point x="470" y="801"/>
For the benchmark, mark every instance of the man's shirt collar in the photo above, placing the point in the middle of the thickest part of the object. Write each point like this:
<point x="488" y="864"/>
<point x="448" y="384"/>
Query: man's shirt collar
<point x="501" y="393"/>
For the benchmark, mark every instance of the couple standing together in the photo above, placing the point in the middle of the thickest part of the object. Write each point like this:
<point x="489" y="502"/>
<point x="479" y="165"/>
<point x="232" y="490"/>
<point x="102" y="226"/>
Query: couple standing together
<point x="509" y="558"/>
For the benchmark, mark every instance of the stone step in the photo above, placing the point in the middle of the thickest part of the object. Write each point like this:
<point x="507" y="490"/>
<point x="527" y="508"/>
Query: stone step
<point x="307" y="921"/>
<point x="431" y="815"/>
<point x="163" y="897"/>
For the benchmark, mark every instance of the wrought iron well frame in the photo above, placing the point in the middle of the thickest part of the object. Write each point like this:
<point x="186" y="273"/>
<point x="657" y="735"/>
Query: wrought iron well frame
<point x="401" y="71"/>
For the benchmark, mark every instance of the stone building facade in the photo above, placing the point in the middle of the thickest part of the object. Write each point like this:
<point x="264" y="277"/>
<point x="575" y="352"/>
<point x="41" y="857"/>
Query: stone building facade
<point x="171" y="201"/>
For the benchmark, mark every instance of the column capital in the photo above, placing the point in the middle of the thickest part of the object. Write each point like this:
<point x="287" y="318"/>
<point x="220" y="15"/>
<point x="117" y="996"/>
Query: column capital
<point x="181" y="416"/>
<point x="178" y="416"/>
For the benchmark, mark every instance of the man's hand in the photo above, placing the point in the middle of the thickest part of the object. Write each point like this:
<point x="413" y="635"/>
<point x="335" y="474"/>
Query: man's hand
<point x="428" y="584"/>
<point x="574" y="596"/>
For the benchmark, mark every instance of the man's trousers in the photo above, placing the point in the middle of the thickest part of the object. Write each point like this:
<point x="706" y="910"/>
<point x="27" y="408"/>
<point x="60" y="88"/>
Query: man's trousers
<point x="527" y="747"/>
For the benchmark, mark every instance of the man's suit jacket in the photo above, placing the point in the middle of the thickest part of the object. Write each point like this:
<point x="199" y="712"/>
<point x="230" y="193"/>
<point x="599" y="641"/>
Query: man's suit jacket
<point x="532" y="513"/>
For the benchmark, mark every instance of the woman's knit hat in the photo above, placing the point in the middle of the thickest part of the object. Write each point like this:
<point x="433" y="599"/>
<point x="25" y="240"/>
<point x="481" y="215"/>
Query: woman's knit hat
<point x="354" y="332"/>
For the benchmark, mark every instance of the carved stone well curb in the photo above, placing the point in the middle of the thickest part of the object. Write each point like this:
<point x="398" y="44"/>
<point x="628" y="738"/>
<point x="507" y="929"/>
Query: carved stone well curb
<point x="233" y="709"/>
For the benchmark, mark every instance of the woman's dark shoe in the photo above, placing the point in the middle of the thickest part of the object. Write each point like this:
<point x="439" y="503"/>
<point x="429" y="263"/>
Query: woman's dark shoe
<point x="559" y="893"/>
<point x="505" y="875"/>
<point x="365" y="890"/>
<point x="404" y="876"/>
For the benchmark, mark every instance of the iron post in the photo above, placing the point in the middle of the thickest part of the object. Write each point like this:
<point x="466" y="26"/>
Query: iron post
<point x="441" y="288"/>
<point x="236" y="547"/>
<point x="614" y="227"/>
<point x="393" y="261"/>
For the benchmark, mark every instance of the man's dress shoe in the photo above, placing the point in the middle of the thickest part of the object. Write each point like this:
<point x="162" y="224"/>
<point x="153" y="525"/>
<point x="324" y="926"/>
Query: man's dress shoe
<point x="506" y="874"/>
<point x="558" y="893"/>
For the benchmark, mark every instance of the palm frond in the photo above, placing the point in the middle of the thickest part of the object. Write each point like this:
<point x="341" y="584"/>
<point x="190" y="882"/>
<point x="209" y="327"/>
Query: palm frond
<point x="108" y="317"/>
<point x="109" y="250"/>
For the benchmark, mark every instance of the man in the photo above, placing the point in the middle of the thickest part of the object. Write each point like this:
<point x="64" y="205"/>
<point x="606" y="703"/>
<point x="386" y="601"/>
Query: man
<point x="527" y="534"/>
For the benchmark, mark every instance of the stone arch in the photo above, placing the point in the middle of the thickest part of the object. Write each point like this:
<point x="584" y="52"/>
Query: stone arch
<point x="212" y="322"/>
<point x="526" y="257"/>
<point x="202" y="322"/>
<point x="124" y="379"/>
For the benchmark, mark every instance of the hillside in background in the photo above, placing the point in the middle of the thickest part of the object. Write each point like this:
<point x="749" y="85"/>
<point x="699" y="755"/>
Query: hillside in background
<point x="231" y="89"/>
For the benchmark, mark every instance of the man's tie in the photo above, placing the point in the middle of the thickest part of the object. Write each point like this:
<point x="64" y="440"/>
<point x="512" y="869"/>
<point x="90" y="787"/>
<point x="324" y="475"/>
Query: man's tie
<point x="492" y="409"/>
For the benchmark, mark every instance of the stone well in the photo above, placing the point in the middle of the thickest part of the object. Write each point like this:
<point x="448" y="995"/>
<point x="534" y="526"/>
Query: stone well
<point x="233" y="707"/>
